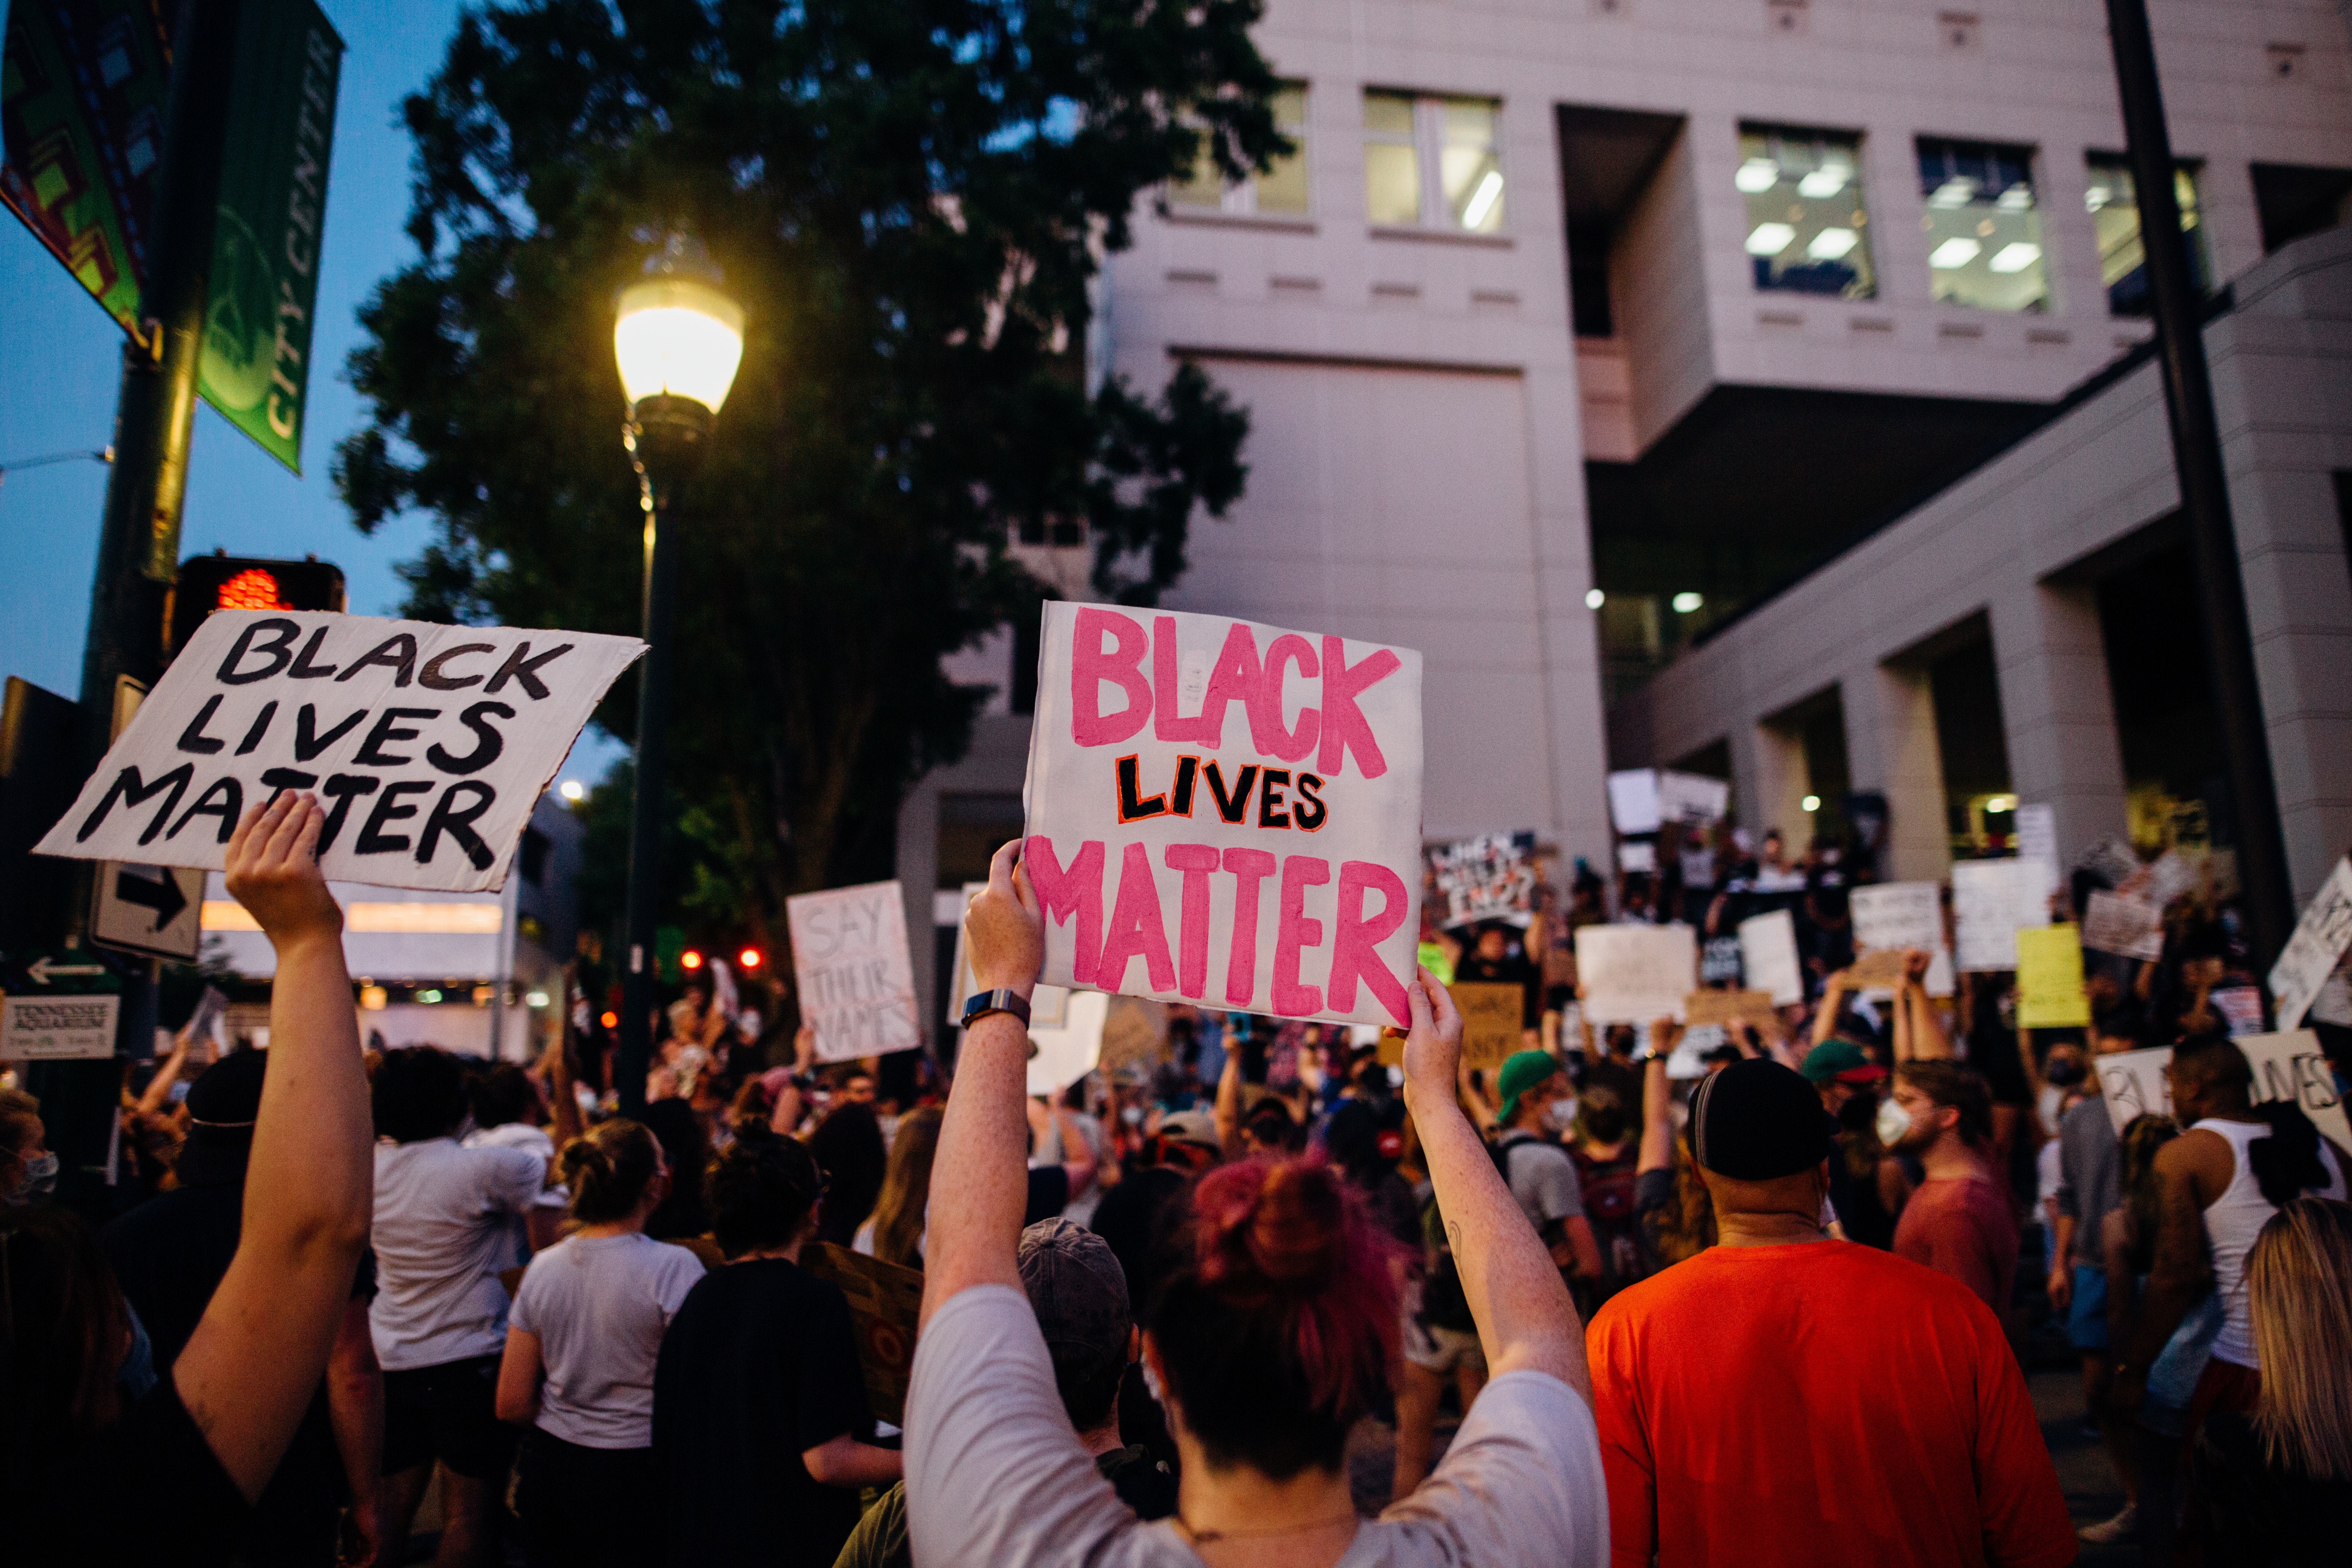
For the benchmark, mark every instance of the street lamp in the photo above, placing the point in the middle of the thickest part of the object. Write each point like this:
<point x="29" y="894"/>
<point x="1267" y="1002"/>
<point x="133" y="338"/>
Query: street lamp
<point x="678" y="342"/>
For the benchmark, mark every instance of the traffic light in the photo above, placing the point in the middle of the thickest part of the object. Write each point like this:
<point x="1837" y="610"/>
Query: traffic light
<point x="223" y="582"/>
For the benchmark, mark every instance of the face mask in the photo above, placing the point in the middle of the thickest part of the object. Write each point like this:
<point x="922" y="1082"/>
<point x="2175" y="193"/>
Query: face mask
<point x="1560" y="1115"/>
<point x="1132" y="1115"/>
<point x="1893" y="1122"/>
<point x="40" y="1178"/>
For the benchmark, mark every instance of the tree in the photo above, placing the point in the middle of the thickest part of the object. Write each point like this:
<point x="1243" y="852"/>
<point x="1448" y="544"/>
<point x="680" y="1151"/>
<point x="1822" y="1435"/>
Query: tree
<point x="911" y="201"/>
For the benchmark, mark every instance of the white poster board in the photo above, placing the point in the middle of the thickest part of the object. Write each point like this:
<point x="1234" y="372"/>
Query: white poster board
<point x="1904" y="915"/>
<point x="856" y="984"/>
<point x="1768" y="957"/>
<point x="1045" y="1002"/>
<point x="2115" y="922"/>
<point x="2133" y="1083"/>
<point x="1990" y="899"/>
<point x="2291" y="1066"/>
<point x="1061" y="1056"/>
<point x="1226" y="813"/>
<point x="2310" y="954"/>
<point x="2037" y="840"/>
<point x="1691" y="797"/>
<point x="428" y="745"/>
<point x="1633" y="804"/>
<point x="1632" y="974"/>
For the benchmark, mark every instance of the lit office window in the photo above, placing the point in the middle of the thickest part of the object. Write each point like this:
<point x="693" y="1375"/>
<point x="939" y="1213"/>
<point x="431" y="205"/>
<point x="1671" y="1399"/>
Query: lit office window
<point x="2114" y="202"/>
<point x="1283" y="188"/>
<point x="1432" y="162"/>
<point x="1808" y="229"/>
<point x="1984" y="232"/>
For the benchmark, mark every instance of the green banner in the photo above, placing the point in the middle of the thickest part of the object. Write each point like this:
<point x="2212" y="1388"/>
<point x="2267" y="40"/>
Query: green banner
<point x="81" y="113"/>
<point x="273" y="203"/>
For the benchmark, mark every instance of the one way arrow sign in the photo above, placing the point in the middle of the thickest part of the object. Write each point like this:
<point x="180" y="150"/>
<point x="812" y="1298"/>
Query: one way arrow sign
<point x="153" y="910"/>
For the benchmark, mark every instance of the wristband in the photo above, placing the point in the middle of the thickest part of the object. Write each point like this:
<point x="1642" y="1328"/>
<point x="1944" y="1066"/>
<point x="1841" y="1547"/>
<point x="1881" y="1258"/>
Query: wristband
<point x="987" y="1002"/>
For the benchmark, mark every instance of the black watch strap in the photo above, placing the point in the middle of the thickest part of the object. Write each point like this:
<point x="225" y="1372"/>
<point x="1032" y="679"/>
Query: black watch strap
<point x="988" y="1002"/>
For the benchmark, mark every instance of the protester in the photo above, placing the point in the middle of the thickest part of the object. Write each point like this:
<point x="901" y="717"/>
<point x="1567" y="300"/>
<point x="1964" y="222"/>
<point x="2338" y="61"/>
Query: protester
<point x="1957" y="1221"/>
<point x="201" y="1444"/>
<point x="1542" y="1174"/>
<point x="1868" y="1186"/>
<point x="1785" y="1398"/>
<point x="1675" y="1217"/>
<point x="686" y="1150"/>
<point x="760" y="1427"/>
<point x="578" y="1368"/>
<point x="849" y="1147"/>
<point x="2277" y="1482"/>
<point x="501" y="1098"/>
<point x="1602" y="1142"/>
<point x="2090" y="1187"/>
<point x="1271" y="1336"/>
<point x="28" y="1167"/>
<point x="895" y="1232"/>
<point x="444" y="1226"/>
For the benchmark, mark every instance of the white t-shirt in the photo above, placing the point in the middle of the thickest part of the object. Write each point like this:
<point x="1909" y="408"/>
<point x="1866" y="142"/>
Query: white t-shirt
<point x="441" y="1233"/>
<point x="523" y="1135"/>
<point x="995" y="1474"/>
<point x="600" y="1305"/>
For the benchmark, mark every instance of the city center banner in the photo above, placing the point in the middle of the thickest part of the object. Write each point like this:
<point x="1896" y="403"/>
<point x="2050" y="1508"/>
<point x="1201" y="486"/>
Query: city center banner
<point x="1226" y="813"/>
<point x="428" y="745"/>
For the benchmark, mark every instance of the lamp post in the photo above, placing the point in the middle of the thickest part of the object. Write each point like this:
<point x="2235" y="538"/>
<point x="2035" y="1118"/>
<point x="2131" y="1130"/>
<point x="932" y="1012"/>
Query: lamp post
<point x="679" y="340"/>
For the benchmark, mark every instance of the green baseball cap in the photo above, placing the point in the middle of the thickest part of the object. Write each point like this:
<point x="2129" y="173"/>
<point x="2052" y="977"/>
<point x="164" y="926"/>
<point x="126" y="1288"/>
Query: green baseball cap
<point x="1840" y="1060"/>
<point x="1521" y="1072"/>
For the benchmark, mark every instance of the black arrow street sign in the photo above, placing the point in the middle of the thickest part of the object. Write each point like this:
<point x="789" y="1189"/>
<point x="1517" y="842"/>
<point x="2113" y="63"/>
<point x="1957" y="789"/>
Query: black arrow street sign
<point x="164" y="897"/>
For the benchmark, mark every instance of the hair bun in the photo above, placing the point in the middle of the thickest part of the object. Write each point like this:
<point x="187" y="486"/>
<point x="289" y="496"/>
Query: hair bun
<point x="1285" y="1230"/>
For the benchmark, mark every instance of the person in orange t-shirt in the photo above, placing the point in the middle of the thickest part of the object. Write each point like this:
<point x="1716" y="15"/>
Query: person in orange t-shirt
<point x="1959" y="1221"/>
<point x="1786" y="1399"/>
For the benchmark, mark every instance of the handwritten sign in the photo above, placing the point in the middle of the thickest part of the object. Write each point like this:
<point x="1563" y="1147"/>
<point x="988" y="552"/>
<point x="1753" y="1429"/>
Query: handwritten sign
<point x="429" y="744"/>
<point x="2050" y="993"/>
<point x="1491" y="1014"/>
<point x="1225" y="813"/>
<point x="2319" y="940"/>
<point x="1768" y="956"/>
<point x="1904" y="915"/>
<point x="2292" y="1067"/>
<point x="1991" y="900"/>
<point x="885" y="1301"/>
<point x="2117" y="922"/>
<point x="849" y="955"/>
<point x="1633" y="974"/>
<point x="2037" y="841"/>
<point x="2133" y="1084"/>
<point x="1491" y="876"/>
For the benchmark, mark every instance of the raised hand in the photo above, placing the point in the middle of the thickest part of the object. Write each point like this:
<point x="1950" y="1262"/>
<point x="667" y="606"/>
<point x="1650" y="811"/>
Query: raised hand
<point x="1004" y="928"/>
<point x="273" y="871"/>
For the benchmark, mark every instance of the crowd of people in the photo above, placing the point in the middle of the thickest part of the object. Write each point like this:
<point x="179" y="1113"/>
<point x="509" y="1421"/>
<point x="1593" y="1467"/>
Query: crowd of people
<point x="1275" y="1293"/>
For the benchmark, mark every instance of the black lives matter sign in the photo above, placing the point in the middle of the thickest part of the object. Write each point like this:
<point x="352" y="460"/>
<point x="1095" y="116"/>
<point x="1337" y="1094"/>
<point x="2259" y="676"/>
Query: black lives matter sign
<point x="428" y="745"/>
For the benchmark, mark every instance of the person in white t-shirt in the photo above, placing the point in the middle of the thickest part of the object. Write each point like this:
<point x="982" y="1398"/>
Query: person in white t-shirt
<point x="582" y="1343"/>
<point x="444" y="1217"/>
<point x="502" y="1099"/>
<point x="1272" y="1335"/>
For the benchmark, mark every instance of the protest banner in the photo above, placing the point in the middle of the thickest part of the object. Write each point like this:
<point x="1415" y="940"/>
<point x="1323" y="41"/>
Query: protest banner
<point x="2117" y="922"/>
<point x="2037" y="840"/>
<point x="1991" y="900"/>
<point x="2240" y="1008"/>
<point x="429" y="744"/>
<point x="1753" y="1008"/>
<point x="2290" y="1066"/>
<point x="1633" y="804"/>
<point x="2050" y="993"/>
<point x="1243" y="829"/>
<point x="2310" y="954"/>
<point x="1691" y="797"/>
<point x="1632" y="974"/>
<point x="1880" y="968"/>
<point x="2169" y="875"/>
<point x="885" y="1302"/>
<point x="1062" y="1054"/>
<point x="1489" y="877"/>
<point x="1491" y="1014"/>
<point x="2133" y="1084"/>
<point x="1641" y="855"/>
<point x="2112" y="860"/>
<point x="1904" y="915"/>
<point x="1767" y="955"/>
<point x="849" y="956"/>
<point x="1045" y="1002"/>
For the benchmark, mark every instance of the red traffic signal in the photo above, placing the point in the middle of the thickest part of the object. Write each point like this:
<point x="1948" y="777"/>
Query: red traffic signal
<point x="749" y="958"/>
<point x="219" y="582"/>
<point x="689" y="959"/>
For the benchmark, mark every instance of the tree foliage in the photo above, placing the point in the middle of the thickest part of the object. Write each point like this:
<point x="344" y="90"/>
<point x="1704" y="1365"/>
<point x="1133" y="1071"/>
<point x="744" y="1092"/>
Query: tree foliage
<point x="910" y="199"/>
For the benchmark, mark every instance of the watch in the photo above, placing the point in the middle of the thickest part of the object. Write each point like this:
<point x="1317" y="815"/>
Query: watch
<point x="987" y="1002"/>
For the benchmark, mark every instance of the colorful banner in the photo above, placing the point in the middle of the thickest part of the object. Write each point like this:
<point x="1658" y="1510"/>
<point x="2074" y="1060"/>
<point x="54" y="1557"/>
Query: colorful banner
<point x="1489" y="877"/>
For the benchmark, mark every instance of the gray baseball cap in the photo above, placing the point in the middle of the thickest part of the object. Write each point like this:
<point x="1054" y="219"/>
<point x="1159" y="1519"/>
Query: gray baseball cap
<point x="1078" y="1291"/>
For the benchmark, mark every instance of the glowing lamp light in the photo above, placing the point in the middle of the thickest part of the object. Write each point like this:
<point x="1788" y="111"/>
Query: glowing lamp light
<point x="1770" y="238"/>
<point x="610" y="1020"/>
<point x="536" y="999"/>
<point x="1757" y="175"/>
<point x="689" y="959"/>
<point x="1685" y="603"/>
<point x="428" y="995"/>
<point x="749" y="958"/>
<point x="572" y="789"/>
<point x="1594" y="598"/>
<point x="1957" y="251"/>
<point x="1810" y="803"/>
<point x="676" y="338"/>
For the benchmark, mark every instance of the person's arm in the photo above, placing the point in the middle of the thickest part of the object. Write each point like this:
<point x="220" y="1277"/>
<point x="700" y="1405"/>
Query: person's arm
<point x="563" y="1105"/>
<point x="1081" y="1172"/>
<point x="2060" y="1284"/>
<point x="355" y="1411"/>
<point x="1826" y="1018"/>
<point x="1581" y="1247"/>
<point x="159" y="1088"/>
<point x="1658" y="1119"/>
<point x="846" y="1462"/>
<point x="1525" y="1319"/>
<point x="974" y="1222"/>
<point x="1228" y="1109"/>
<point x="251" y="1367"/>
<point x="2180" y="1272"/>
<point x="2123" y="1284"/>
<point x="1928" y="1041"/>
<point x="521" y="1372"/>
<point x="1893" y="1186"/>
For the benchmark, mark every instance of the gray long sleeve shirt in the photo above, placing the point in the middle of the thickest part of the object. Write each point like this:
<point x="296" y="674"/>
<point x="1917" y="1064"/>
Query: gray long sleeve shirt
<point x="2090" y="1176"/>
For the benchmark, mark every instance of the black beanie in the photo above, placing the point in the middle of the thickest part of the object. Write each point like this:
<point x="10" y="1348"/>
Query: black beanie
<point x="222" y="1105"/>
<point x="1756" y="1119"/>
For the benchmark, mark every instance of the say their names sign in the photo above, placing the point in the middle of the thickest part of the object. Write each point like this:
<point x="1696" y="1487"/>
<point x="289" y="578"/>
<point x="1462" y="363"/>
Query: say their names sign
<point x="428" y="745"/>
<point x="1226" y="813"/>
<point x="857" y="985"/>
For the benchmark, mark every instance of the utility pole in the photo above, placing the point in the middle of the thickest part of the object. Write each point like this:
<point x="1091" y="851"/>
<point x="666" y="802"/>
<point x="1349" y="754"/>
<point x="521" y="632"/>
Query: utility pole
<point x="2204" y="488"/>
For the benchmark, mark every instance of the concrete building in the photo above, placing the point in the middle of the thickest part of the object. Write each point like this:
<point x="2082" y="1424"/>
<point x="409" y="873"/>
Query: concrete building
<point x="1577" y="327"/>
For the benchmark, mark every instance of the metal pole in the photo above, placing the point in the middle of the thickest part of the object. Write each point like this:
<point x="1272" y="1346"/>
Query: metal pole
<point x="638" y="994"/>
<point x="2204" y="490"/>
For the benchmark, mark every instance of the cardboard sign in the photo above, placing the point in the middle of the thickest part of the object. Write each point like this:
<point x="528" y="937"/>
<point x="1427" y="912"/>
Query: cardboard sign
<point x="1225" y="813"/>
<point x="2115" y="922"/>
<point x="2133" y="1083"/>
<point x="1060" y="1055"/>
<point x="2310" y="954"/>
<point x="1767" y="955"/>
<point x="1880" y="967"/>
<point x="2050" y="979"/>
<point x="1633" y="974"/>
<point x="1491" y="1014"/>
<point x="885" y="1302"/>
<point x="1754" y="1008"/>
<point x="2291" y="1066"/>
<point x="1489" y="877"/>
<point x="849" y="955"/>
<point x="428" y="745"/>
<point x="1991" y="900"/>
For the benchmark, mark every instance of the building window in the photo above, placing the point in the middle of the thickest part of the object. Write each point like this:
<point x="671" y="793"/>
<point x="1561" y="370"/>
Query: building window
<point x="1282" y="189"/>
<point x="1808" y="229"/>
<point x="2114" y="204"/>
<point x="1984" y="232"/>
<point x="1433" y="162"/>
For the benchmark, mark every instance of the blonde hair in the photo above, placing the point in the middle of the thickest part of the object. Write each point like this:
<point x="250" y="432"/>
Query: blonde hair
<point x="905" y="1201"/>
<point x="2299" y="1283"/>
<point x="608" y="1169"/>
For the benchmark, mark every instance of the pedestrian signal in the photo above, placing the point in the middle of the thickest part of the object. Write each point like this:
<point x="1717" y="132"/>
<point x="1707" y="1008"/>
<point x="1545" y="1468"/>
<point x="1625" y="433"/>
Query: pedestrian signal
<point x="221" y="582"/>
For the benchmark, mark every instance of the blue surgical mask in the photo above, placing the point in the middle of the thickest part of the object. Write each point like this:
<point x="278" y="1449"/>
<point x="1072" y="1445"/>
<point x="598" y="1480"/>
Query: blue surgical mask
<point x="40" y="1178"/>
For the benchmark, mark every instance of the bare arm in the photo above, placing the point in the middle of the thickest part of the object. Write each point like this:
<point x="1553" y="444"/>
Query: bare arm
<point x="1833" y="990"/>
<point x="159" y="1088"/>
<point x="355" y="1411"/>
<point x="1928" y="1041"/>
<point x="1523" y="1312"/>
<point x="2180" y="1273"/>
<point x="1657" y="1118"/>
<point x="975" y="1222"/>
<point x="255" y="1361"/>
<point x="1228" y="1110"/>
<point x="563" y="1105"/>
<point x="521" y="1372"/>
<point x="846" y="1462"/>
